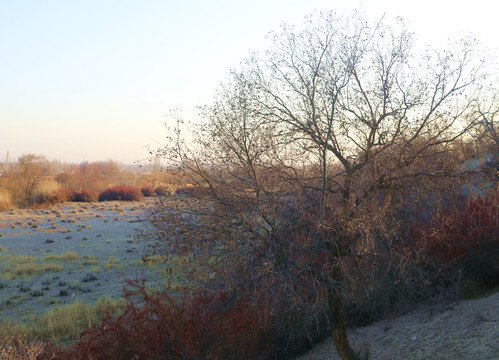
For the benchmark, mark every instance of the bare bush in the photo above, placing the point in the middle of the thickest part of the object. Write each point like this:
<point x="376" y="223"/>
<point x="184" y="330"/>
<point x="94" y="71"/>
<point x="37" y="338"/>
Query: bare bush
<point x="18" y="347"/>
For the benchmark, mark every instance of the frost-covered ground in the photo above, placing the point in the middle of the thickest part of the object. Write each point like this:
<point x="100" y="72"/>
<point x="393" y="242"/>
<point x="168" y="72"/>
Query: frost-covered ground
<point x="467" y="330"/>
<point x="101" y="235"/>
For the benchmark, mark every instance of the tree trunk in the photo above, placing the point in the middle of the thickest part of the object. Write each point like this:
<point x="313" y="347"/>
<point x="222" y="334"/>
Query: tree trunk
<point x="339" y="330"/>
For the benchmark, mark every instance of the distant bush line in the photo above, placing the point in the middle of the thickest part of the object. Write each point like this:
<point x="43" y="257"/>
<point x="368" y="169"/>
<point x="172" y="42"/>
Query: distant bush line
<point x="115" y="193"/>
<point x="121" y="192"/>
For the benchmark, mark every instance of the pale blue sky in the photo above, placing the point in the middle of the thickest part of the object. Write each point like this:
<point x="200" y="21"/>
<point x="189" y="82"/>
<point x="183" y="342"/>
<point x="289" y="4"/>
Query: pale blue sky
<point x="94" y="80"/>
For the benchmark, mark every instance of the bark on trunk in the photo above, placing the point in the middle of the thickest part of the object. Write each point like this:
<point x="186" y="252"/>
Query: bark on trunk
<point x="339" y="330"/>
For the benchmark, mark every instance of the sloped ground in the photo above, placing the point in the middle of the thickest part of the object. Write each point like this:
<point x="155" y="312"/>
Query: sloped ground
<point x="465" y="330"/>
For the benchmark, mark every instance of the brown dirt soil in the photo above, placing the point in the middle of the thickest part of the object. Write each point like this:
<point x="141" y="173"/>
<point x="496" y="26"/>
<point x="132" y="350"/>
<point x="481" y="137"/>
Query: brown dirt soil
<point x="468" y="329"/>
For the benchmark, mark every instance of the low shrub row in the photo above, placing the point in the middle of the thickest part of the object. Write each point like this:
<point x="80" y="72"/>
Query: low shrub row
<point x="204" y="325"/>
<point x="130" y="193"/>
<point x="64" y="195"/>
<point x="120" y="192"/>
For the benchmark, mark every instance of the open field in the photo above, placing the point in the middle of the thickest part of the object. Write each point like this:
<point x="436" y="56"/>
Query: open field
<point x="75" y="252"/>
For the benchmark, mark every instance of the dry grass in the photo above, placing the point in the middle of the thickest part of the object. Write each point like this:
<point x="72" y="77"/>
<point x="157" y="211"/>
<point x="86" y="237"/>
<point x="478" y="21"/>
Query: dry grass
<point x="89" y="260"/>
<point x="111" y="263"/>
<point x="12" y="266"/>
<point x="6" y="199"/>
<point x="67" y="256"/>
<point x="18" y="347"/>
<point x="64" y="322"/>
<point x="32" y="268"/>
<point x="94" y="269"/>
<point x="48" y="186"/>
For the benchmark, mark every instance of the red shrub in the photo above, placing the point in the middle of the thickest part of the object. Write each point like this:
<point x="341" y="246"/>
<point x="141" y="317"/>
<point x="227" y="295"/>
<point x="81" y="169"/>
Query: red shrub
<point x="121" y="192"/>
<point x="85" y="195"/>
<point x="202" y="326"/>
<point x="456" y="233"/>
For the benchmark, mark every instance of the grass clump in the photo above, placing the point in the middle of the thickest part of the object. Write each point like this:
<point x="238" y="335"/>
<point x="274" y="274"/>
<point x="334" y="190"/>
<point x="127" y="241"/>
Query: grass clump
<point x="90" y="260"/>
<point x="67" y="256"/>
<point x="34" y="268"/>
<point x="23" y="259"/>
<point x="95" y="269"/>
<point x="53" y="267"/>
<point x="111" y="263"/>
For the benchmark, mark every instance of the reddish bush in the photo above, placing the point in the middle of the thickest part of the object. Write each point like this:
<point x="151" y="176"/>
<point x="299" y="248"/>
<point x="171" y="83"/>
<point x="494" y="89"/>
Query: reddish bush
<point x="161" y="191"/>
<point x="147" y="191"/>
<point x="458" y="232"/>
<point x="121" y="192"/>
<point x="202" y="326"/>
<point x="85" y="195"/>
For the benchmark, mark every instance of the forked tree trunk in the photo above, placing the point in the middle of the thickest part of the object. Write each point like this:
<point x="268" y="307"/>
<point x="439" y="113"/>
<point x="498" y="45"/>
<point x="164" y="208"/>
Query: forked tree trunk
<point x="339" y="329"/>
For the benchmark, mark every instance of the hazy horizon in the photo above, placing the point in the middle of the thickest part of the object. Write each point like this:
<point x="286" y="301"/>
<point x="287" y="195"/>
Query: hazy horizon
<point x="92" y="81"/>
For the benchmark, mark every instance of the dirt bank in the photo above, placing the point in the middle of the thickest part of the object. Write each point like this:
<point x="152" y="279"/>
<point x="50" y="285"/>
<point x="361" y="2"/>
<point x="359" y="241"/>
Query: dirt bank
<point x="464" y="330"/>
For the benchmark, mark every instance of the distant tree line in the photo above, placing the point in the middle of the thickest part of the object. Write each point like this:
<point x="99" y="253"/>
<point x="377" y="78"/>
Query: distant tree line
<point x="33" y="180"/>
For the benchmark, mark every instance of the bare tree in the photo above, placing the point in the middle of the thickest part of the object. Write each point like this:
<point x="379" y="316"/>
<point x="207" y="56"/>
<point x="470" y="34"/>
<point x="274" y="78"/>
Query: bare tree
<point x="28" y="172"/>
<point x="305" y="158"/>
<point x="488" y="129"/>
